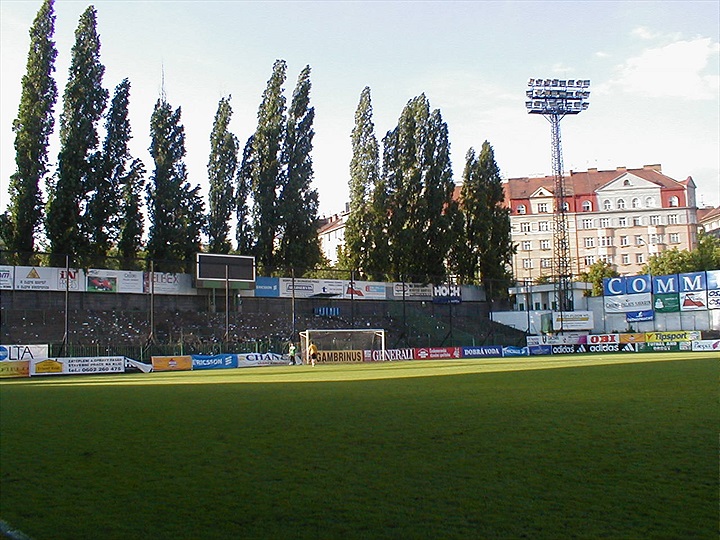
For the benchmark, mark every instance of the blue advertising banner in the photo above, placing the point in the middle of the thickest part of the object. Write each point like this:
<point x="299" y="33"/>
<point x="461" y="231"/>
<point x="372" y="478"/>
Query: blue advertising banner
<point x="216" y="361"/>
<point x="627" y="285"/>
<point x="640" y="316"/>
<point x="538" y="350"/>
<point x="694" y="281"/>
<point x="713" y="279"/>
<point x="516" y="351"/>
<point x="482" y="351"/>
<point x="666" y="284"/>
<point x="267" y="287"/>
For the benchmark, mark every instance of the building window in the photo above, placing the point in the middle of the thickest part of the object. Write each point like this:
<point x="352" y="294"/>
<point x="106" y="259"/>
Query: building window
<point x="639" y="240"/>
<point x="546" y="263"/>
<point x="544" y="226"/>
<point x="640" y="258"/>
<point x="674" y="201"/>
<point x="673" y="219"/>
<point x="589" y="242"/>
<point x="636" y="203"/>
<point x="650" y="202"/>
<point x="626" y="259"/>
<point x="545" y="244"/>
<point x="525" y="226"/>
<point x="527" y="264"/>
<point x="527" y="245"/>
<point x="566" y="206"/>
<point x="637" y="221"/>
<point x="674" y="238"/>
<point x="654" y="220"/>
<point x="604" y="223"/>
<point x="607" y="205"/>
<point x="587" y="224"/>
<point x="543" y="208"/>
<point x="605" y="241"/>
<point x="589" y="260"/>
<point x="621" y="204"/>
<point x="520" y="208"/>
<point x="657" y="239"/>
<point x="624" y="241"/>
<point x="622" y="222"/>
<point x="627" y="182"/>
<point x="587" y="206"/>
<point x="606" y="259"/>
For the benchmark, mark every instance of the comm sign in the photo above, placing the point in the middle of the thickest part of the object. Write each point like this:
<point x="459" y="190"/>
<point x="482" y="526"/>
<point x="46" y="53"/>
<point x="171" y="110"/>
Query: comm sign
<point x="234" y="268"/>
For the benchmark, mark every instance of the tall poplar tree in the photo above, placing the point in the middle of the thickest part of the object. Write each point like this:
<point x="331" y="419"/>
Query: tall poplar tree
<point x="175" y="208"/>
<point x="299" y="247"/>
<point x="32" y="127"/>
<point x="243" y="225"/>
<point x="222" y="169"/>
<point x="83" y="104"/>
<point x="487" y="236"/>
<point x="364" y="179"/>
<point x="132" y="221"/>
<point x="418" y="186"/>
<point x="112" y="167"/>
<point x="267" y="171"/>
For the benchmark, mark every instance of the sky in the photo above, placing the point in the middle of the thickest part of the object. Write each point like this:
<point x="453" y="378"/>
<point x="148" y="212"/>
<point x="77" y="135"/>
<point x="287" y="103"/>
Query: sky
<point x="654" y="68"/>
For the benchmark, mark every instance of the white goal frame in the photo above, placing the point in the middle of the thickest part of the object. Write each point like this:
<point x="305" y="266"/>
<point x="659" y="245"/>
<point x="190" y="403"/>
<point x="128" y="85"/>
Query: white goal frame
<point x="307" y="337"/>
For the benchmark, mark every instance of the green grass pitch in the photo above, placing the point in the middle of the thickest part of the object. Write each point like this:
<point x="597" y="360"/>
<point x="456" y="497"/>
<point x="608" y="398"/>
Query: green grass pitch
<point x="608" y="446"/>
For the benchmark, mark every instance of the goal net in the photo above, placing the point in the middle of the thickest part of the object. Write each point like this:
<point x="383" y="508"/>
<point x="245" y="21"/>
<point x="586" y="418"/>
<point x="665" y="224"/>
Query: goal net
<point x="342" y="345"/>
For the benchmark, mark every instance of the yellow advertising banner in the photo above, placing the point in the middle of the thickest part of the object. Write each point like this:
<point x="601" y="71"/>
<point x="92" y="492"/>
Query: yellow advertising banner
<point x="632" y="338"/>
<point x="678" y="335"/>
<point x="171" y="363"/>
<point x="341" y="356"/>
<point x="19" y="368"/>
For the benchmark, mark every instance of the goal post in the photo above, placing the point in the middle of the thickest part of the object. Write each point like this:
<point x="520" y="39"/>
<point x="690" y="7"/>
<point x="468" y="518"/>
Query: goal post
<point x="342" y="345"/>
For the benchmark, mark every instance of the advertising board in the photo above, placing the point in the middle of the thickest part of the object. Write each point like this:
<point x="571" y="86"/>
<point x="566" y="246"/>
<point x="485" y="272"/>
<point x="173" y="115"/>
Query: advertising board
<point x="7" y="274"/>
<point x="9" y="353"/>
<point x="659" y="346"/>
<point x="412" y="290"/>
<point x="171" y="363"/>
<point x="708" y="345"/>
<point x="539" y="350"/>
<point x="262" y="359"/>
<point x="518" y="351"/>
<point x="341" y="356"/>
<point x="483" y="351"/>
<point x="677" y="335"/>
<point x="17" y="368"/>
<point x="215" y="361"/>
<point x="84" y="365"/>
<point x="114" y="281"/>
<point x="388" y="355"/>
<point x="38" y="278"/>
<point x="572" y="320"/>
<point x="437" y="353"/>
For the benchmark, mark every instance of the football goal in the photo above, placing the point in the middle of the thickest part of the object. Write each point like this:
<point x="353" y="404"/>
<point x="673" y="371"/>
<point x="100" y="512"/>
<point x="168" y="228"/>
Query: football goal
<point x="342" y="345"/>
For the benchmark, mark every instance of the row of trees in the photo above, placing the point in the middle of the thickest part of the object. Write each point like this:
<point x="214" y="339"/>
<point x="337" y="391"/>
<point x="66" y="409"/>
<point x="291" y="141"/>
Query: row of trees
<point x="95" y="195"/>
<point x="407" y="218"/>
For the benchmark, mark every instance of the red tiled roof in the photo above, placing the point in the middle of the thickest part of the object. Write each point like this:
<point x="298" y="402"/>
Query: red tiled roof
<point x="706" y="214"/>
<point x="586" y="182"/>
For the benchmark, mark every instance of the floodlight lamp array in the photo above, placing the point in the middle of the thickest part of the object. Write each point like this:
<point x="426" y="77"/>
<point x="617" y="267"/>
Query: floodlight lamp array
<point x="557" y="96"/>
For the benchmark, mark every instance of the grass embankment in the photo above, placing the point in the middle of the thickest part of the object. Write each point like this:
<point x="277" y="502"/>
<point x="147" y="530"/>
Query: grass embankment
<point x="367" y="451"/>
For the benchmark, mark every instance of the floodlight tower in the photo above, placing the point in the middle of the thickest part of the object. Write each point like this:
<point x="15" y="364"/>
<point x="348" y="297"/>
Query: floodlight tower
<point x="555" y="98"/>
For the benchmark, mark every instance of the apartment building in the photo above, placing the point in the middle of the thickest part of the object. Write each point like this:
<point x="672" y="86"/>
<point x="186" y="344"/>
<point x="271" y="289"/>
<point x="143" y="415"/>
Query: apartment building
<point x="621" y="216"/>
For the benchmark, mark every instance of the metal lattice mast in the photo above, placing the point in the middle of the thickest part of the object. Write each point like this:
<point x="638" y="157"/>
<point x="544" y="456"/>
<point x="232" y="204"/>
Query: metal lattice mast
<point x="555" y="98"/>
<point x="561" y="240"/>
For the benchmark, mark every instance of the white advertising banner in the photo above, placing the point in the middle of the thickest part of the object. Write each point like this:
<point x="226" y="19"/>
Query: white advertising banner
<point x="573" y="320"/>
<point x="6" y="277"/>
<point x="709" y="345"/>
<point x="364" y="290"/>
<point x="168" y="283"/>
<point x="39" y="278"/>
<point x="14" y="353"/>
<point x="77" y="365"/>
<point x="624" y="303"/>
<point x="569" y="338"/>
<point x="412" y="290"/>
<point x="306" y="288"/>
<point x="117" y="281"/>
<point x="693" y="301"/>
<point x="262" y="359"/>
